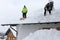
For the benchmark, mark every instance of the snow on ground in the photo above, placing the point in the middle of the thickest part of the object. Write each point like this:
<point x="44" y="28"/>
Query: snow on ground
<point x="45" y="34"/>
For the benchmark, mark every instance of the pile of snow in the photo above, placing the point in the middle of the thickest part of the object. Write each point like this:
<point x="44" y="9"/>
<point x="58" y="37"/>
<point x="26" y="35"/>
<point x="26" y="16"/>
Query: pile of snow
<point x="51" y="34"/>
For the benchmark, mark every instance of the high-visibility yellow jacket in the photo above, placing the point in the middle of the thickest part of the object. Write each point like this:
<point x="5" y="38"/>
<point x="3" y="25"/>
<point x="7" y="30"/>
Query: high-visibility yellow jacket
<point x="24" y="10"/>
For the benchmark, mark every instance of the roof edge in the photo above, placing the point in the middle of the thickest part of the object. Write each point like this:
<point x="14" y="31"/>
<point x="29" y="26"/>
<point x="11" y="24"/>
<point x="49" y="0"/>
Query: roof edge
<point x="30" y="23"/>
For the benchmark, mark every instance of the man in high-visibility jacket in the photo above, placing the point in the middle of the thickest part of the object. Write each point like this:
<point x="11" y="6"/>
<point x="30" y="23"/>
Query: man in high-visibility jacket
<point x="24" y="11"/>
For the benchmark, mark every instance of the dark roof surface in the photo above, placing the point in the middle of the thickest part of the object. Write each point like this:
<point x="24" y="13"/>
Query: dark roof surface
<point x="8" y="31"/>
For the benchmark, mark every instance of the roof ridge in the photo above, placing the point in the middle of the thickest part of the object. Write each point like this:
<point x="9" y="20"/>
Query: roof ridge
<point x="13" y="29"/>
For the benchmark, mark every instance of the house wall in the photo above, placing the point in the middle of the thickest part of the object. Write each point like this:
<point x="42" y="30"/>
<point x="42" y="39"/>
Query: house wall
<point x="25" y="30"/>
<point x="10" y="36"/>
<point x="2" y="39"/>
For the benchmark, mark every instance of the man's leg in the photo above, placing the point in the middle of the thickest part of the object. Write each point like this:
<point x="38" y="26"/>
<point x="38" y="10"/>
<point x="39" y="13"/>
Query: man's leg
<point x="49" y="11"/>
<point x="23" y="15"/>
<point x="44" y="12"/>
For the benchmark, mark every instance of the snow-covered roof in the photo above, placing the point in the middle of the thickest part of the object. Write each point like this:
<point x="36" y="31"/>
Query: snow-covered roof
<point x="44" y="34"/>
<point x="35" y="12"/>
<point x="14" y="32"/>
<point x="3" y="29"/>
<point x="38" y="17"/>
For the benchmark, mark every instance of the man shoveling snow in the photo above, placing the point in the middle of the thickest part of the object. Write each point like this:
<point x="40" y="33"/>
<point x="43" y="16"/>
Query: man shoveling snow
<point x="24" y="11"/>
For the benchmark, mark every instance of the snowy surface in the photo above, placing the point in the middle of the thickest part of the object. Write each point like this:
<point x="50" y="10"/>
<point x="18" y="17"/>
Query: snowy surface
<point x="14" y="32"/>
<point x="11" y="11"/>
<point x="3" y="29"/>
<point x="45" y="34"/>
<point x="25" y="30"/>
